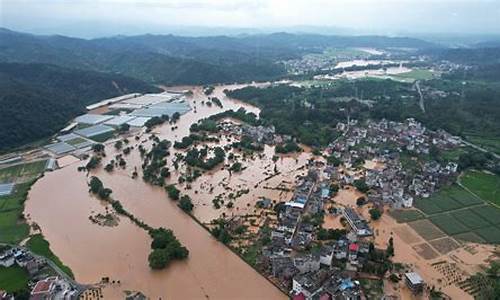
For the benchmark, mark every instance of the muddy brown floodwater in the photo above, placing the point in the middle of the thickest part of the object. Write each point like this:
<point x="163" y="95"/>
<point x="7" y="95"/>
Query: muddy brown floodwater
<point x="61" y="205"/>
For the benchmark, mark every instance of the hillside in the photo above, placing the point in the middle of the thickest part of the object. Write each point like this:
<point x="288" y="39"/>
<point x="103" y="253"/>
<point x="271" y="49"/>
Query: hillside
<point x="38" y="100"/>
<point x="169" y="59"/>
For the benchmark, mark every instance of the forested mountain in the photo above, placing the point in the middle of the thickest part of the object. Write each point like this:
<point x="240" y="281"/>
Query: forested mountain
<point x="37" y="100"/>
<point x="169" y="59"/>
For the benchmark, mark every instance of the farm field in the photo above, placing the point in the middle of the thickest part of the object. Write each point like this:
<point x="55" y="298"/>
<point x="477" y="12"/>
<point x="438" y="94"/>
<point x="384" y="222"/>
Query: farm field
<point x="22" y="171"/>
<point x="456" y="212"/>
<point x="406" y="215"/>
<point x="11" y="209"/>
<point x="413" y="75"/>
<point x="486" y="186"/>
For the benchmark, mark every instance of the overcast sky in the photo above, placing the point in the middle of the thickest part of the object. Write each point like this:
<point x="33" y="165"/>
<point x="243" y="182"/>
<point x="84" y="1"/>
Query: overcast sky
<point x="98" y="17"/>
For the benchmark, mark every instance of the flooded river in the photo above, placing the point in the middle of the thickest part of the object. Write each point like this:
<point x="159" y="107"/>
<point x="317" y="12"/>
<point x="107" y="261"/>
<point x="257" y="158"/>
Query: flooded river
<point x="61" y="205"/>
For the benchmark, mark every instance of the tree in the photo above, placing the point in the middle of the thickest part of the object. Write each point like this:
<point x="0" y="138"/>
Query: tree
<point x="158" y="259"/>
<point x="361" y="185"/>
<point x="360" y="201"/>
<point x="173" y="192"/>
<point x="185" y="204"/>
<point x="390" y="248"/>
<point x="375" y="213"/>
<point x="95" y="185"/>
<point x="124" y="127"/>
<point x="93" y="162"/>
<point x="98" y="147"/>
<point x="118" y="145"/>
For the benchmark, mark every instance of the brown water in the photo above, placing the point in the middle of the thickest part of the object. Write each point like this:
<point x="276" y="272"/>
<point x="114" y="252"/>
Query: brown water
<point x="60" y="204"/>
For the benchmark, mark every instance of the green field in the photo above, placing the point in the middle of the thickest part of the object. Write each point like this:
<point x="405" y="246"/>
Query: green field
<point x="447" y="199"/>
<point x="40" y="246"/>
<point x="11" y="209"/>
<point x="484" y="185"/>
<point x="27" y="170"/>
<point x="413" y="75"/>
<point x="457" y="212"/>
<point x="13" y="279"/>
<point x="490" y="234"/>
<point x="448" y="224"/>
<point x="406" y="215"/>
<point x="100" y="138"/>
<point x="468" y="218"/>
<point x="76" y="141"/>
<point x="488" y="213"/>
<point x="491" y="143"/>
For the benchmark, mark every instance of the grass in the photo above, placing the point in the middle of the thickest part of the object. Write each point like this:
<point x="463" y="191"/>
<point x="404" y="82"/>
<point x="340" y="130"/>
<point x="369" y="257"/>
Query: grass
<point x="406" y="215"/>
<point x="454" y="154"/>
<point x="448" y="224"/>
<point x="13" y="279"/>
<point x="12" y="227"/>
<point x="40" y="246"/>
<point x="413" y="75"/>
<point x="491" y="143"/>
<point x="31" y="170"/>
<point x="486" y="186"/>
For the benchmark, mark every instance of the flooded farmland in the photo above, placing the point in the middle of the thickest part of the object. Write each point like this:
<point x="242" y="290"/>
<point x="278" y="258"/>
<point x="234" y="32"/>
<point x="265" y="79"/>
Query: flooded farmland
<point x="61" y="205"/>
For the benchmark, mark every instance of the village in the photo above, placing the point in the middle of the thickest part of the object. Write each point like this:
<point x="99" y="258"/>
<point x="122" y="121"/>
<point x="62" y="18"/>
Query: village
<point x="308" y="261"/>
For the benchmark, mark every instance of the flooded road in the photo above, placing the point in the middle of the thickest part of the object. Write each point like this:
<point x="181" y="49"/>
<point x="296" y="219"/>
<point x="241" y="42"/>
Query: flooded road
<point x="61" y="205"/>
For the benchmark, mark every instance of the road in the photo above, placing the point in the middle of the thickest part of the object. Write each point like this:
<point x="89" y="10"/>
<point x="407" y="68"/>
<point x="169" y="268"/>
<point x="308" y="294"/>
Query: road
<point x="480" y="148"/>
<point x="421" y="101"/>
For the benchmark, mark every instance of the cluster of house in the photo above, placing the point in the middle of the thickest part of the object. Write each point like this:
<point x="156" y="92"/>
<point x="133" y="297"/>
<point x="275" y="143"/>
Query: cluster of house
<point x="311" y="274"/>
<point x="259" y="135"/>
<point x="386" y="142"/>
<point x="51" y="287"/>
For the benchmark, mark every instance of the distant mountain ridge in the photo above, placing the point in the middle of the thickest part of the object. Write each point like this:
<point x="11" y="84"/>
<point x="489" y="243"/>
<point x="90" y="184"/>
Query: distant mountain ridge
<point x="170" y="59"/>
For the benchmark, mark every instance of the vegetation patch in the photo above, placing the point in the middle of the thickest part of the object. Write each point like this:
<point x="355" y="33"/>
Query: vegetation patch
<point x="428" y="206"/>
<point x="27" y="170"/>
<point x="468" y="218"/>
<point x="448" y="224"/>
<point x="40" y="246"/>
<point x="469" y="237"/>
<point x="462" y="196"/>
<point x="13" y="279"/>
<point x="406" y="215"/>
<point x="12" y="226"/>
<point x="489" y="213"/>
<point x="426" y="229"/>
<point x="490" y="234"/>
<point x="484" y="185"/>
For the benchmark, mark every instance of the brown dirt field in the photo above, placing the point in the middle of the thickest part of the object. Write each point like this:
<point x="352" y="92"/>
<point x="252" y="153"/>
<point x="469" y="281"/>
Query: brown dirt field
<point x="426" y="229"/>
<point x="425" y="251"/>
<point x="444" y="245"/>
<point x="407" y="234"/>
